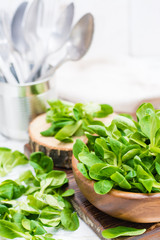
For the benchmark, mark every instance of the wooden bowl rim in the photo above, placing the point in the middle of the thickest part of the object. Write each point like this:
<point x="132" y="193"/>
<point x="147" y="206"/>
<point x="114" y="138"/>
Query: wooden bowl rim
<point x="114" y="192"/>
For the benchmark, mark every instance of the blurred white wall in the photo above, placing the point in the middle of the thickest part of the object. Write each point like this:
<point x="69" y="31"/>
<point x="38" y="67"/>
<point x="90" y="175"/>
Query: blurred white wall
<point x="122" y="27"/>
<point x="111" y="26"/>
<point x="144" y="27"/>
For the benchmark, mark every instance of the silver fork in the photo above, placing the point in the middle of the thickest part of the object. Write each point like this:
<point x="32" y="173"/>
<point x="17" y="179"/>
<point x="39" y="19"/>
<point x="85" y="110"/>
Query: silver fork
<point x="5" y="49"/>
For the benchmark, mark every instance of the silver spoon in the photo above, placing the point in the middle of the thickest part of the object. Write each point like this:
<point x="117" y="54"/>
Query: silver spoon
<point x="6" y="57"/>
<point x="77" y="44"/>
<point x="17" y="29"/>
<point x="56" y="30"/>
<point x="6" y="72"/>
<point x="33" y="12"/>
<point x="7" y="51"/>
<point x="17" y="37"/>
<point x="57" y="38"/>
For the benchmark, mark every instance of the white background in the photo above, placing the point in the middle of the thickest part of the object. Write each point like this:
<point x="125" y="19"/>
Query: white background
<point x="123" y="27"/>
<point x="121" y="68"/>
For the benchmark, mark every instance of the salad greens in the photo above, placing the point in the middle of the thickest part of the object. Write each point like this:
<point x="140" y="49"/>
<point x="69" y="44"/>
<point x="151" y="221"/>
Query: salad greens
<point x="35" y="201"/>
<point x="124" y="155"/>
<point x="121" y="231"/>
<point x="9" y="160"/>
<point x="68" y="120"/>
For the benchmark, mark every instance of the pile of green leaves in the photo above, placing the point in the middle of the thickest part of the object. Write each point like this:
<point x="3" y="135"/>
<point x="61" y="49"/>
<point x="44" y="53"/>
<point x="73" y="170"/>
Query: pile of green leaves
<point x="36" y="201"/>
<point x="9" y="160"/>
<point x="125" y="155"/>
<point x="68" y="120"/>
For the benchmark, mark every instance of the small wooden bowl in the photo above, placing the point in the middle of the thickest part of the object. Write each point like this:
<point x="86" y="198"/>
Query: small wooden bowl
<point x="133" y="207"/>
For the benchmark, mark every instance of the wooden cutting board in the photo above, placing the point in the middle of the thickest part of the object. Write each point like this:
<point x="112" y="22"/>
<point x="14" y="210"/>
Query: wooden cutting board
<point x="100" y="221"/>
<point x="60" y="152"/>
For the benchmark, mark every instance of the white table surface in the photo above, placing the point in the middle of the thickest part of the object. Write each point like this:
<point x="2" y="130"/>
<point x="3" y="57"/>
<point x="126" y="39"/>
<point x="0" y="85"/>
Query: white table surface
<point x="122" y="82"/>
<point x="83" y="232"/>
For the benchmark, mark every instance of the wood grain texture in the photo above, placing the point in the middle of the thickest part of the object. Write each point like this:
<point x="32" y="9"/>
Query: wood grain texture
<point x="134" y="207"/>
<point x="60" y="152"/>
<point x="100" y="221"/>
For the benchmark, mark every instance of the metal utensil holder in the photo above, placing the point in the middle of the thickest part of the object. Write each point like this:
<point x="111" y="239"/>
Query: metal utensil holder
<point x="19" y="104"/>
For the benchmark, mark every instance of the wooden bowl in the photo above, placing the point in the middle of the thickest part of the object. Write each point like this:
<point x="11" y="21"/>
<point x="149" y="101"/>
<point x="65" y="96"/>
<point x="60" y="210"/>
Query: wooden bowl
<point x="134" y="207"/>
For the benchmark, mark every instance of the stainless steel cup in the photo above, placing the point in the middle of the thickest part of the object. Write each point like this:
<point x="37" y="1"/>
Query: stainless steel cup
<point x="19" y="104"/>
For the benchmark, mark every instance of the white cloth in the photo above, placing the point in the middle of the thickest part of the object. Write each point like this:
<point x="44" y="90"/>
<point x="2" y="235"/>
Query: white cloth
<point x="122" y="82"/>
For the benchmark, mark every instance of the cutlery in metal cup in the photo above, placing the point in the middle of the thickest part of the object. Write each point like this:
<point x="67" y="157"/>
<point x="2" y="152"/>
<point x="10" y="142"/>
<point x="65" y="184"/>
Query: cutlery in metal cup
<point x="19" y="104"/>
